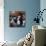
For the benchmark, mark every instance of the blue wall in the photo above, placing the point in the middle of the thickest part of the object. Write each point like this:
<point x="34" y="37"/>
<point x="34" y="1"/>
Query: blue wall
<point x="30" y="7"/>
<point x="43" y="6"/>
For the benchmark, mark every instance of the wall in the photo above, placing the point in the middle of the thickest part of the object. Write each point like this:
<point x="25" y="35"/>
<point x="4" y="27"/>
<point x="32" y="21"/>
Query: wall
<point x="30" y="7"/>
<point x="43" y="6"/>
<point x="1" y="22"/>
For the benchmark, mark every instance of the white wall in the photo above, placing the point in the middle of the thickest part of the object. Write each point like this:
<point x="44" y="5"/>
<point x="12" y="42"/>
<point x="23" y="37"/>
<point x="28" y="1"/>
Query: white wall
<point x="1" y="21"/>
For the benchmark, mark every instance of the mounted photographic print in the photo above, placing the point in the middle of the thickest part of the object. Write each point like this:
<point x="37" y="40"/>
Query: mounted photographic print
<point x="17" y="19"/>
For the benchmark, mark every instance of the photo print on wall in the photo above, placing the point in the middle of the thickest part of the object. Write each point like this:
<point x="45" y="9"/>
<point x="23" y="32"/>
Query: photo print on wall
<point x="17" y="19"/>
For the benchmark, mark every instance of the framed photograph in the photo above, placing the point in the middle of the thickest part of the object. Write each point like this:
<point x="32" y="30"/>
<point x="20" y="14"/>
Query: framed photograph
<point x="17" y="19"/>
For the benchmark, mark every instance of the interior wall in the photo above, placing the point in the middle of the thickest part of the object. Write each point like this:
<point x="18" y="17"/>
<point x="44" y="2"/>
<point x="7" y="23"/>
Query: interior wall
<point x="30" y="7"/>
<point x="43" y="6"/>
<point x="1" y="21"/>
